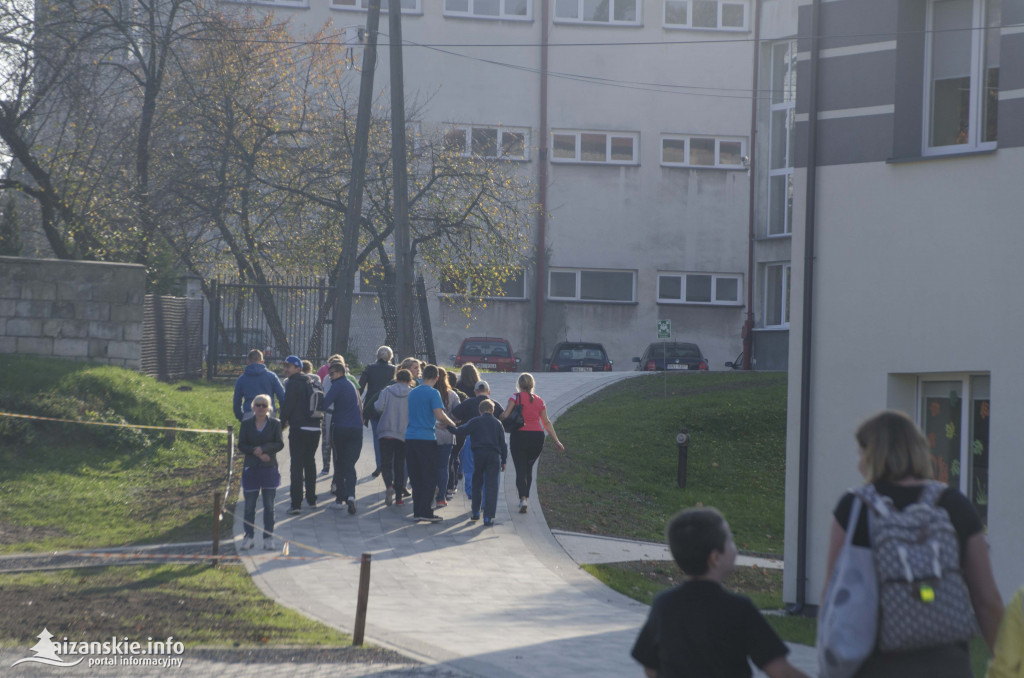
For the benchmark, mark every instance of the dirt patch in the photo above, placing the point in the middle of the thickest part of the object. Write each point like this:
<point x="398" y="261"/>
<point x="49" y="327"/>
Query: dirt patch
<point x="19" y="534"/>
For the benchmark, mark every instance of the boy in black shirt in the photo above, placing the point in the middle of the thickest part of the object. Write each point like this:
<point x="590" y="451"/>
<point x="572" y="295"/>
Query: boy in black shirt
<point x="487" y="440"/>
<point x="699" y="629"/>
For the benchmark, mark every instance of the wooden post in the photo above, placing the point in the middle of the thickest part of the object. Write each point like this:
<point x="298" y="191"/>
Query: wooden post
<point x="216" y="523"/>
<point x="364" y="594"/>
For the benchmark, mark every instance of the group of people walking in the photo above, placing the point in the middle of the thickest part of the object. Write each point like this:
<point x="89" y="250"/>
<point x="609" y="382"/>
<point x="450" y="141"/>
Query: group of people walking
<point x="430" y="427"/>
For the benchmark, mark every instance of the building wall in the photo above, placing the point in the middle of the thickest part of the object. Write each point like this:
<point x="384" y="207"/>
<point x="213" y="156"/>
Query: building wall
<point x="643" y="217"/>
<point x="72" y="309"/>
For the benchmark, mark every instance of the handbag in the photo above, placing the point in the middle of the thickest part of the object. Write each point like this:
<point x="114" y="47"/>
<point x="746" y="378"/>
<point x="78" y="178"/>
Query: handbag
<point x="848" y="618"/>
<point x="514" y="421"/>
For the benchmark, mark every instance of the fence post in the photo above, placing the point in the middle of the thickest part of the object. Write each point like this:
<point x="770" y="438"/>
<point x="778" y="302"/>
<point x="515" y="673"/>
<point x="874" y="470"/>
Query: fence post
<point x="364" y="594"/>
<point x="216" y="524"/>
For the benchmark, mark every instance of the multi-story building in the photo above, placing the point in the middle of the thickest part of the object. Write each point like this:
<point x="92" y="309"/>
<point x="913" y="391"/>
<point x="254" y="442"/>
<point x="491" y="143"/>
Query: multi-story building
<point x="910" y="150"/>
<point x="633" y="119"/>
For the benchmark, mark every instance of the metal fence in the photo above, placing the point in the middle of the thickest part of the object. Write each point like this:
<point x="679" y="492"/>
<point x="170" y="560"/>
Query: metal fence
<point x="172" y="338"/>
<point x="297" y="317"/>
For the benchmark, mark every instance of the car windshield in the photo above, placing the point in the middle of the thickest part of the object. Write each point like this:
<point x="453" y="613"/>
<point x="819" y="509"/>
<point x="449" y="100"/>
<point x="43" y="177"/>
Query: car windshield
<point x="495" y="349"/>
<point x="685" y="352"/>
<point x="580" y="353"/>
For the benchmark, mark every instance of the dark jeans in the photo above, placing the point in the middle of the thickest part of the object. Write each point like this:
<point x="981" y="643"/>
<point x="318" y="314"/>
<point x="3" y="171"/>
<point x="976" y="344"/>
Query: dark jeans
<point x="302" y="445"/>
<point x="525" y="447"/>
<point x="392" y="459"/>
<point x="348" y="443"/>
<point x="486" y="467"/>
<point x="421" y="456"/>
<point x="444" y="454"/>
<point x="268" y="511"/>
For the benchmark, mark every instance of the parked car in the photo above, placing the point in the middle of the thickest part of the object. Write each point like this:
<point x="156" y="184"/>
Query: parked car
<point x="678" y="355"/>
<point x="487" y="353"/>
<point x="578" y="356"/>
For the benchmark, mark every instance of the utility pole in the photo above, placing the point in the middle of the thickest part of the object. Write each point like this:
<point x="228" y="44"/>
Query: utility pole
<point x="354" y="214"/>
<point x="403" y="252"/>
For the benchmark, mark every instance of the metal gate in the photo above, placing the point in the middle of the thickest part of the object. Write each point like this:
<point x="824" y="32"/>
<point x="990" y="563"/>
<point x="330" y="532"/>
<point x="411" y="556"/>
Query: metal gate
<point x="297" y="318"/>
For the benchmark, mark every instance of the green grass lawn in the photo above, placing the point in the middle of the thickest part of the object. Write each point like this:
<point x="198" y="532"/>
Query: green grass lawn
<point x="80" y="486"/>
<point x="197" y="604"/>
<point x="618" y="474"/>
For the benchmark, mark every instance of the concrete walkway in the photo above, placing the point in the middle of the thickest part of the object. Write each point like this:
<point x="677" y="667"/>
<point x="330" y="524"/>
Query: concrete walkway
<point x="502" y="601"/>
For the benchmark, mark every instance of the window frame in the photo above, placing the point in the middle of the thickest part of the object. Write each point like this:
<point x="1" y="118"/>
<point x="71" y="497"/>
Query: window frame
<point x="579" y="283"/>
<point x="360" y="7"/>
<point x="715" y="277"/>
<point x="718" y="151"/>
<point x="577" y="159"/>
<point x="787" y="108"/>
<point x="978" y="31"/>
<point x="639" y="4"/>
<point x="785" y="301"/>
<point x="467" y="149"/>
<point x="469" y="291"/>
<point x="501" y="16"/>
<point x="970" y="384"/>
<point x="688" y="26"/>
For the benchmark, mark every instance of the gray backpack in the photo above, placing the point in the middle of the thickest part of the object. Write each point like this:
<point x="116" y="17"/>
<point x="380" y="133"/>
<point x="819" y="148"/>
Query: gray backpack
<point x="922" y="598"/>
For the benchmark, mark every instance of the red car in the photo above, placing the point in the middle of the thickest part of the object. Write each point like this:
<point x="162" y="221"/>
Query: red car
<point x="487" y="353"/>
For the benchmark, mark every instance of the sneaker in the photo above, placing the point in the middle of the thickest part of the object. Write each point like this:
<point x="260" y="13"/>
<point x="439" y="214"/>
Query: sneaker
<point x="376" y="473"/>
<point x="325" y="472"/>
<point x="295" y="510"/>
<point x="475" y="516"/>
<point x="399" y="502"/>
<point x="269" y="544"/>
<point x="522" y="506"/>
<point x="432" y="519"/>
<point x="489" y="522"/>
<point x="337" y="505"/>
<point x="351" y="505"/>
<point x="449" y="496"/>
<point x="247" y="543"/>
<point x="441" y="503"/>
<point x="389" y="496"/>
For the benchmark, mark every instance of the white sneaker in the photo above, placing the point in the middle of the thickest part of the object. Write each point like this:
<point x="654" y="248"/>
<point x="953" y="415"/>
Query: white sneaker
<point x="337" y="505"/>
<point x="522" y="506"/>
<point x="269" y="544"/>
<point x="247" y="543"/>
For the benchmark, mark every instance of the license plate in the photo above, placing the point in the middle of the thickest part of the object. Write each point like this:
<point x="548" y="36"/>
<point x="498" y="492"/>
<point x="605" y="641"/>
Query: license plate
<point x="486" y="366"/>
<point x="678" y="367"/>
<point x="583" y="369"/>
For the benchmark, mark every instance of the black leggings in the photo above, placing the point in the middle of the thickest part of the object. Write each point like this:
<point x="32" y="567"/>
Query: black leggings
<point x="525" y="447"/>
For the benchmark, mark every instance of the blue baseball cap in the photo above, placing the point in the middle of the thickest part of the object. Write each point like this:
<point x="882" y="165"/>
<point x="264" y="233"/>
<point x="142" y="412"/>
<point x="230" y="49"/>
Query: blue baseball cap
<point x="294" y="360"/>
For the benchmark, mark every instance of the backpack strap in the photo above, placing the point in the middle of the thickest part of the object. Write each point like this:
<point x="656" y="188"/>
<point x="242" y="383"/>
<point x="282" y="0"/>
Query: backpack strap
<point x="933" y="490"/>
<point x="880" y="505"/>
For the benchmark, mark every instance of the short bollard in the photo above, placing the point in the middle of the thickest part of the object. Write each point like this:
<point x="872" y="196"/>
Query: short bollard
<point x="364" y="594"/>
<point x="216" y="523"/>
<point x="683" y="441"/>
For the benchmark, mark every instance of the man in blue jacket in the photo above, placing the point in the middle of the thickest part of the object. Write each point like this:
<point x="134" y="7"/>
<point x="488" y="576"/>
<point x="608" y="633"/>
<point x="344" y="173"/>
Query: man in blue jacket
<point x="255" y="380"/>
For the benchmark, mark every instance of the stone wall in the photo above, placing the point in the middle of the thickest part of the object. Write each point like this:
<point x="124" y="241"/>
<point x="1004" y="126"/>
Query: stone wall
<point x="72" y="309"/>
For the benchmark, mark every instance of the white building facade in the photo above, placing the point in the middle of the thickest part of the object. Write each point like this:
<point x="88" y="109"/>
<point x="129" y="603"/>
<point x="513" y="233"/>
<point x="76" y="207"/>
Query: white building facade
<point x="915" y="206"/>
<point x="635" y="116"/>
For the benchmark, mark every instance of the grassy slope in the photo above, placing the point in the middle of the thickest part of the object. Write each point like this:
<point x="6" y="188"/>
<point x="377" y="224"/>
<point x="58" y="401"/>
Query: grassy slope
<point x="620" y="462"/>
<point x="73" y="486"/>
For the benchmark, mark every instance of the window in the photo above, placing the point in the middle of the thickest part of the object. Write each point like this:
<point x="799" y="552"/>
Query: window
<point x="625" y="12"/>
<point x="712" y="289"/>
<point x="776" y="295"/>
<point x="518" y="10"/>
<point x="695" y="151"/>
<point x="612" y="148"/>
<point x="510" y="143"/>
<point x="591" y="285"/>
<point x="713" y="15"/>
<point x="951" y="407"/>
<point x="782" y="139"/>
<point x="459" y="283"/>
<point x="408" y="6"/>
<point x="962" y="75"/>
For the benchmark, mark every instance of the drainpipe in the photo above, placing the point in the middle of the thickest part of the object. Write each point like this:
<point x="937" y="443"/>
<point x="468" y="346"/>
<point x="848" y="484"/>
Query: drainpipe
<point x="807" y="320"/>
<point x="542" y="186"/>
<point x="748" y="325"/>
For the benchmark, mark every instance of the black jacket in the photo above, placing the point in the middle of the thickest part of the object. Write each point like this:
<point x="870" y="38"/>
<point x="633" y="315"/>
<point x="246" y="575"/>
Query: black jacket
<point x="295" y="406"/>
<point x="270" y="439"/>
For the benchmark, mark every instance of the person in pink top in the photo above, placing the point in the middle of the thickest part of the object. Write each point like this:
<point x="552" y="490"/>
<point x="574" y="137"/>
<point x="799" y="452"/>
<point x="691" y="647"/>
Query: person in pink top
<point x="526" y="443"/>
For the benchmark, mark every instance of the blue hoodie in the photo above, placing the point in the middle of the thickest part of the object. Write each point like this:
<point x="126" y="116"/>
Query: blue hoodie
<point x="255" y="380"/>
